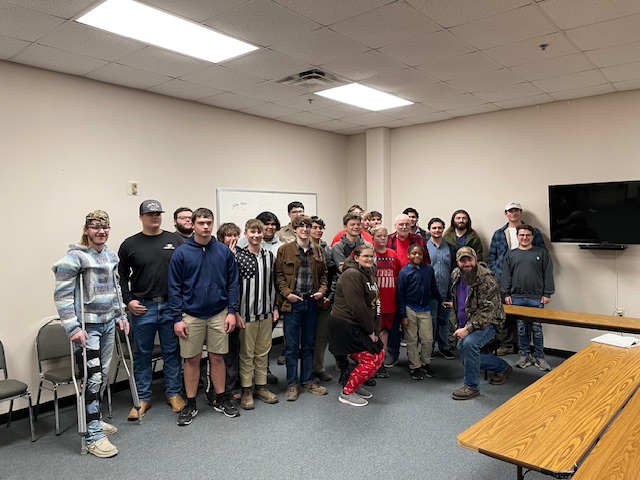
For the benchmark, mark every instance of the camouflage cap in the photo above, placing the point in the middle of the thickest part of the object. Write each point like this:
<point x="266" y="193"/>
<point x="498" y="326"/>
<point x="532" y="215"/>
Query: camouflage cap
<point x="99" y="216"/>
<point x="465" y="252"/>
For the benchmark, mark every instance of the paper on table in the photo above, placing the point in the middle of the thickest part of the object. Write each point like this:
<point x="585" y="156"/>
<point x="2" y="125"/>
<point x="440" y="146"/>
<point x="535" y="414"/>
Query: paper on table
<point x="617" y="340"/>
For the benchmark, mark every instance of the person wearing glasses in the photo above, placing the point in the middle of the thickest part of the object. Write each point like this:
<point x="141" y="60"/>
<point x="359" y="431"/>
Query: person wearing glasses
<point x="301" y="281"/>
<point x="182" y="222"/>
<point x="527" y="280"/>
<point x="144" y="274"/>
<point x="103" y="308"/>
<point x="354" y="324"/>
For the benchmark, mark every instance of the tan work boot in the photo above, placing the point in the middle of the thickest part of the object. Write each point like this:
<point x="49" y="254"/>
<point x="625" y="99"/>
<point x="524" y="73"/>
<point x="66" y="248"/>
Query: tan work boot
<point x="292" y="393"/>
<point x="177" y="403"/>
<point x="264" y="394"/>
<point x="144" y="406"/>
<point x="246" y="400"/>
<point x="102" y="448"/>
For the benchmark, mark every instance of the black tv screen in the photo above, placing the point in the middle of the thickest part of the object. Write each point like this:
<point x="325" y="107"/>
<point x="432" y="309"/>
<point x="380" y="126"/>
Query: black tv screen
<point x="595" y="213"/>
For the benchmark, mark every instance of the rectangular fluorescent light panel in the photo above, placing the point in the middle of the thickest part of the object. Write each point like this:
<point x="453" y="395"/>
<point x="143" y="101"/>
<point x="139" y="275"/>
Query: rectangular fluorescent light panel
<point x="364" y="97"/>
<point x="141" y="22"/>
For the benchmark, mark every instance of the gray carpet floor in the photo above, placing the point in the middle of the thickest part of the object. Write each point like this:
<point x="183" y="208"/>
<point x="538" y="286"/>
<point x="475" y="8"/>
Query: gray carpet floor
<point x="408" y="430"/>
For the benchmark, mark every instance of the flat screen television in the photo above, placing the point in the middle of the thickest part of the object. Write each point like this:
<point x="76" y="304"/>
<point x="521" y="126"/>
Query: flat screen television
<point x="595" y="213"/>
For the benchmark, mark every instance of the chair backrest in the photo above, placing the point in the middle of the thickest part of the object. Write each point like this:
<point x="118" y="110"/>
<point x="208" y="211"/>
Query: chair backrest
<point x="3" y="362"/>
<point x="52" y="341"/>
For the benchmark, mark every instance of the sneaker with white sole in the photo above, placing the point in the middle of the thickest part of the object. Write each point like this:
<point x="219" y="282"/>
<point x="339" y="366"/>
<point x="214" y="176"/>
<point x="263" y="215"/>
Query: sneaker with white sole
<point x="363" y="392"/>
<point x="524" y="361"/>
<point x="542" y="364"/>
<point x="107" y="428"/>
<point x="224" y="406"/>
<point x="186" y="415"/>
<point x="391" y="362"/>
<point x="102" y="448"/>
<point x="353" y="399"/>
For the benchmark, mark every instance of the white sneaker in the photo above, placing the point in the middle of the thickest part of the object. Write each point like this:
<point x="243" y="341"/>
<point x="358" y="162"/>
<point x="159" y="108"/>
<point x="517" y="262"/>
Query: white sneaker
<point x="107" y="428"/>
<point x="102" y="448"/>
<point x="354" y="399"/>
<point x="524" y="361"/>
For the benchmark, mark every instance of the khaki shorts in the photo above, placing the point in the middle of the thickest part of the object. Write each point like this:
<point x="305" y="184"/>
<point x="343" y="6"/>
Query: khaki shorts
<point x="209" y="331"/>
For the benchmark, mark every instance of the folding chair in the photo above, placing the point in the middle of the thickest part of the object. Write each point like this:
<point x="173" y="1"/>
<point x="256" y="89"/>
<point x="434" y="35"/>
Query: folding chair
<point x="11" y="389"/>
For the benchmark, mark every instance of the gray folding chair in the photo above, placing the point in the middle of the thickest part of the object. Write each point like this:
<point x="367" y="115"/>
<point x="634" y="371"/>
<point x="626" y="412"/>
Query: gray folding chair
<point x="11" y="389"/>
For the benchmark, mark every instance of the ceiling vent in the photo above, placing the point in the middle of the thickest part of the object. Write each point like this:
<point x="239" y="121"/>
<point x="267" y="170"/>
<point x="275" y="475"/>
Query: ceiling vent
<point x="313" y="80"/>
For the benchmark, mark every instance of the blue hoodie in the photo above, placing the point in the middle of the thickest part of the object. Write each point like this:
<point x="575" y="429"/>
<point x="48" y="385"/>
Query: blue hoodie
<point x="203" y="280"/>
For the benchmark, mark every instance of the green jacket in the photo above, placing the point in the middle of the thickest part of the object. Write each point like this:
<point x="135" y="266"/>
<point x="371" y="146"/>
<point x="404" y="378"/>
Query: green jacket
<point x="473" y="241"/>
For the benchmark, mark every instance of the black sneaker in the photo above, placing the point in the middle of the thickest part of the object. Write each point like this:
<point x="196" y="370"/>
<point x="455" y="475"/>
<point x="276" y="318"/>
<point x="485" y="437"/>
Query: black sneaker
<point x="344" y="378"/>
<point x="416" y="374"/>
<point x="428" y="371"/>
<point x="381" y="373"/>
<point x="370" y="383"/>
<point x="186" y="415"/>
<point x="223" y="405"/>
<point x="447" y="354"/>
<point x="271" y="378"/>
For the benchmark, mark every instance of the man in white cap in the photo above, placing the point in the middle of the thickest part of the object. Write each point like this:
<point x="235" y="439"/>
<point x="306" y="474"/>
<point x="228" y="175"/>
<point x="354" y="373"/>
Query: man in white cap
<point x="503" y="240"/>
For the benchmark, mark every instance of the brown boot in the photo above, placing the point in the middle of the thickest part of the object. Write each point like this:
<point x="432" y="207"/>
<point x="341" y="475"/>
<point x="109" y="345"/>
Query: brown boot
<point x="246" y="401"/>
<point x="263" y="393"/>
<point x="144" y="406"/>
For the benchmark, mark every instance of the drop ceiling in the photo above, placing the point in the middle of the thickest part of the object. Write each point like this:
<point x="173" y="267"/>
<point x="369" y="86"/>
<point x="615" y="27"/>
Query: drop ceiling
<point x="452" y="58"/>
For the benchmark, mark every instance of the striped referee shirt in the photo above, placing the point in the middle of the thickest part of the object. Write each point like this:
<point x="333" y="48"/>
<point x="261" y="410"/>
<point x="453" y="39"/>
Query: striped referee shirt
<point x="256" y="286"/>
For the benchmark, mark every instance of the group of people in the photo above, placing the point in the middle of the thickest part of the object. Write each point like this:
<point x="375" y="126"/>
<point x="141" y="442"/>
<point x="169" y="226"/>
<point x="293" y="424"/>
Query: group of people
<point x="356" y="297"/>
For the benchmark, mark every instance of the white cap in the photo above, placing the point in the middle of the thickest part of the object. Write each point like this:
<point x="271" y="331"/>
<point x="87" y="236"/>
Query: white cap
<point x="511" y="205"/>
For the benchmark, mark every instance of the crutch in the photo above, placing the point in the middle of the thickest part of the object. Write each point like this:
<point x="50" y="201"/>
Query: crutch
<point x="129" y="372"/>
<point x="80" y="385"/>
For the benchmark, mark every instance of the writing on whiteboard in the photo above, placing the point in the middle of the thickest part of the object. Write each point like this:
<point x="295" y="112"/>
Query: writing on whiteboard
<point x="239" y="205"/>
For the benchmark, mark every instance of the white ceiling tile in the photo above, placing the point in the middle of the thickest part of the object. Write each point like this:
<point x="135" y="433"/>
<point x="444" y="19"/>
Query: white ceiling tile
<point x="553" y="67"/>
<point x="512" y="26"/>
<point x="616" y="55"/>
<point x="583" y="92"/>
<point x="571" y="81"/>
<point x="231" y="101"/>
<point x="268" y="91"/>
<point x="91" y="42"/>
<point x="528" y="51"/>
<point x="621" y="73"/>
<point x="465" y="112"/>
<point x="339" y="111"/>
<point x="303" y="118"/>
<point x="262" y="23"/>
<point x="196" y="10"/>
<point x="270" y="110"/>
<point x="23" y="24"/>
<point x="422" y="93"/>
<point x="58" y="8"/>
<point x="434" y="117"/>
<point x="268" y="65"/>
<point x="449" y="13"/>
<point x="576" y="13"/>
<point x="455" y="101"/>
<point x="410" y="111"/>
<point x="363" y="66"/>
<point x="369" y="118"/>
<point x="185" y="90"/>
<point x="58" y="60"/>
<point x="485" y="81"/>
<point x="508" y="92"/>
<point x="307" y="102"/>
<point x="333" y="125"/>
<point x="127" y="76"/>
<point x="627" y="85"/>
<point x="525" y="102"/>
<point x="10" y="46"/>
<point x="221" y="78"/>
<point x="378" y="28"/>
<point x="400" y="80"/>
<point x="428" y="49"/>
<point x="391" y="123"/>
<point x="459" y="67"/>
<point x="327" y="12"/>
<point x="162" y="61"/>
<point x="320" y="46"/>
<point x="606" y="34"/>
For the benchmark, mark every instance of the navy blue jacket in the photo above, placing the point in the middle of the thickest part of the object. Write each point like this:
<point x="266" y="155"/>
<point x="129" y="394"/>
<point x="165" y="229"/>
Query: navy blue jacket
<point x="416" y="286"/>
<point x="203" y="280"/>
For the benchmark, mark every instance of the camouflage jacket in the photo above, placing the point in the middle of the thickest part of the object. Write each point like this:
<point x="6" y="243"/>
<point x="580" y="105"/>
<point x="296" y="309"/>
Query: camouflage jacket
<point x="484" y="303"/>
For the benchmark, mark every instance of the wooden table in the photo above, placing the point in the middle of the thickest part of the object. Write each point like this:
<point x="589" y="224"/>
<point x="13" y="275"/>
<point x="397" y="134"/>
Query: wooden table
<point x="575" y="319"/>
<point x="552" y="425"/>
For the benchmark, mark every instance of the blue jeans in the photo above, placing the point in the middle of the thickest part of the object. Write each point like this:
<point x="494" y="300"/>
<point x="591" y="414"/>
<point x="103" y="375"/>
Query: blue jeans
<point x="474" y="361"/>
<point x="300" y="334"/>
<point x="440" y="319"/>
<point x="525" y="327"/>
<point x="99" y="352"/>
<point x="393" y="340"/>
<point x="157" y="319"/>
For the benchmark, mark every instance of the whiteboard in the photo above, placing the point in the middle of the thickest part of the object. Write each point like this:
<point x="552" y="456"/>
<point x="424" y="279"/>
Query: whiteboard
<point x="238" y="206"/>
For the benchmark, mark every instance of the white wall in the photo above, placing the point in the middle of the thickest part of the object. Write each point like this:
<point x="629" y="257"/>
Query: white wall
<point x="480" y="163"/>
<point x="69" y="145"/>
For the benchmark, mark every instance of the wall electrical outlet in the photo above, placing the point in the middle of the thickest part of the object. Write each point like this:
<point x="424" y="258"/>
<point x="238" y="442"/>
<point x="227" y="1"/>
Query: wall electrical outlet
<point x="133" y="188"/>
<point x="619" y="312"/>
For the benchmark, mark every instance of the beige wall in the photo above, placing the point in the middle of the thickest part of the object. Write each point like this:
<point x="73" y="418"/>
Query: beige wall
<point x="480" y="163"/>
<point x="69" y="145"/>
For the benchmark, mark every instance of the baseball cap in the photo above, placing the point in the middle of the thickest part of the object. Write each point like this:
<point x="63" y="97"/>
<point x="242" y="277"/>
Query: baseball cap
<point x="511" y="205"/>
<point x="97" y="215"/>
<point x="465" y="252"/>
<point x="150" y="206"/>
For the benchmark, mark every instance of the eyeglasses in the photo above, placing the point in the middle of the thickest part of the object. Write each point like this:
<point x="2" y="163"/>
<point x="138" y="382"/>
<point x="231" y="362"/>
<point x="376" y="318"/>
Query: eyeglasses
<point x="304" y="226"/>
<point x="97" y="228"/>
<point x="184" y="218"/>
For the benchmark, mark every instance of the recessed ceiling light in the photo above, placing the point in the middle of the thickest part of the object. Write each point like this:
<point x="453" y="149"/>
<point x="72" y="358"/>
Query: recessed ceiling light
<point x="141" y="22"/>
<point x="364" y="97"/>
